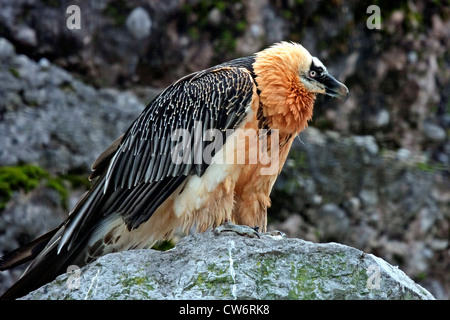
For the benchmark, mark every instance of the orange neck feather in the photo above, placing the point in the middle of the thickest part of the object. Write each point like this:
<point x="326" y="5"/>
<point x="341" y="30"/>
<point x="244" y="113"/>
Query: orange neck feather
<point x="287" y="105"/>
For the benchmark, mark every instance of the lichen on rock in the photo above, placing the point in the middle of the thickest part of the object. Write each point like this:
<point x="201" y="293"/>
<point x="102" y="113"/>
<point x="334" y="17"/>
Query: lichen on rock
<point x="230" y="266"/>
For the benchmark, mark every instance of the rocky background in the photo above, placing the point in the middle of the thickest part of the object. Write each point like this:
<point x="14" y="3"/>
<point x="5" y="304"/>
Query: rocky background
<point x="372" y="173"/>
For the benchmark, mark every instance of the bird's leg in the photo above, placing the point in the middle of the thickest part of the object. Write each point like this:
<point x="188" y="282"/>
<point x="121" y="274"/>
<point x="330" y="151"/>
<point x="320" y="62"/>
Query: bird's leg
<point x="239" y="229"/>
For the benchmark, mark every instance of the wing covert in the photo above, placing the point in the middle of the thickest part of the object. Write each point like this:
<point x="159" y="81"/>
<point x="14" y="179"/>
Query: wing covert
<point x="141" y="174"/>
<point x="213" y="100"/>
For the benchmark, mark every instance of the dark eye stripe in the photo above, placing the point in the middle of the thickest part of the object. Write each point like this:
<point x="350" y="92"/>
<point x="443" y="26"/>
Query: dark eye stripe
<point x="318" y="69"/>
<point x="320" y="72"/>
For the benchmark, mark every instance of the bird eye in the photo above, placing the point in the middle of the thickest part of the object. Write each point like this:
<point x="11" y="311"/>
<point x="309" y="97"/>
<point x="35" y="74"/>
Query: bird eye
<point x="312" y="73"/>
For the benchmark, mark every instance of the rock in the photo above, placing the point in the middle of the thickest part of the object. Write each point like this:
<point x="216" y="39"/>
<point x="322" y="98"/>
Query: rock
<point x="403" y="154"/>
<point x="58" y="121"/>
<point x="28" y="217"/>
<point x="382" y="119"/>
<point x="6" y="49"/>
<point x="139" y="23"/>
<point x="433" y="132"/>
<point x="395" y="80"/>
<point x="332" y="222"/>
<point x="26" y="36"/>
<point x="230" y="266"/>
<point x="396" y="209"/>
<point x="25" y="218"/>
<point x="367" y="143"/>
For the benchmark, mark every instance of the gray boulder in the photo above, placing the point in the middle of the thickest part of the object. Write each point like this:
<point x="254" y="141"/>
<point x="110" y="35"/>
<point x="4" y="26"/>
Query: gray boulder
<point x="50" y="118"/>
<point x="225" y="265"/>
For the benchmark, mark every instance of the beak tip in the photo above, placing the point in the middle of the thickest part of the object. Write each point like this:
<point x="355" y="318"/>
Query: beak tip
<point x="336" y="89"/>
<point x="341" y="93"/>
<point x="345" y="93"/>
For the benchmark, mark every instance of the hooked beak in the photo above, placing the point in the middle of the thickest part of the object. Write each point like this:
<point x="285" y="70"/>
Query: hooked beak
<point x="335" y="88"/>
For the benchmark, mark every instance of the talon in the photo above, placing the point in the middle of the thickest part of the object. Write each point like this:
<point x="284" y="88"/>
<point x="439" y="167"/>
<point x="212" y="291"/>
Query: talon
<point x="239" y="229"/>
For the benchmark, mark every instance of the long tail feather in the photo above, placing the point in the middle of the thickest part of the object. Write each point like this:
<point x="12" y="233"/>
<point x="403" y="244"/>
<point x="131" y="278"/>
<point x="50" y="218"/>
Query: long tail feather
<point x="51" y="252"/>
<point x="25" y="253"/>
<point x="43" y="272"/>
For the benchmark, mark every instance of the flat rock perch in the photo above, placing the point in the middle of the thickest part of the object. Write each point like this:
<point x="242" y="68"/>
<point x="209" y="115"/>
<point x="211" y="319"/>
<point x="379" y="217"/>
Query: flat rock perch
<point x="230" y="266"/>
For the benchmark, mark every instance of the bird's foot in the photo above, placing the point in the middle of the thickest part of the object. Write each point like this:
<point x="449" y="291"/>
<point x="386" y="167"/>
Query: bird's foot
<point x="239" y="229"/>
